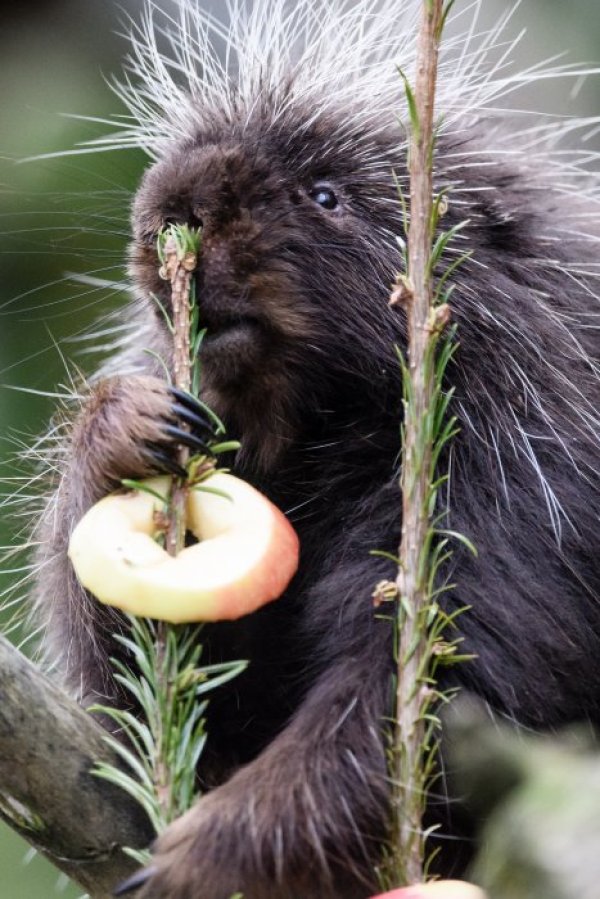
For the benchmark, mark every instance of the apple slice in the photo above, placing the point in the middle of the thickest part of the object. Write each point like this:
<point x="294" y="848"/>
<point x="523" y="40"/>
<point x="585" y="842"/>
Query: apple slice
<point x="246" y="555"/>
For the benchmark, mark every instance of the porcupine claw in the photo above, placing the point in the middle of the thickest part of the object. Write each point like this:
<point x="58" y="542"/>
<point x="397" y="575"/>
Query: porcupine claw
<point x="185" y="410"/>
<point x="162" y="460"/>
<point x="136" y="881"/>
<point x="185" y="437"/>
<point x="191" y="410"/>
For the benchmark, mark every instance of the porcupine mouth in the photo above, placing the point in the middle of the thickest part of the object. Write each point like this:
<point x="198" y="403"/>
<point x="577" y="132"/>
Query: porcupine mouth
<point x="232" y="346"/>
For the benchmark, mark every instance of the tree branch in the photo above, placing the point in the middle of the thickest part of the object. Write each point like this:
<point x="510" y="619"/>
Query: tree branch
<point x="48" y="794"/>
<point x="412" y="750"/>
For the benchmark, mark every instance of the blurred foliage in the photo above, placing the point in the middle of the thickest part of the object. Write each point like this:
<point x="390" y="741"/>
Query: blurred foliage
<point x="59" y="216"/>
<point x="56" y="216"/>
<point x="537" y="800"/>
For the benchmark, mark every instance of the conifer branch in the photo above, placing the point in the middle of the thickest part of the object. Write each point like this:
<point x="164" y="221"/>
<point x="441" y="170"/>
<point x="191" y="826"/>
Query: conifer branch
<point x="178" y="267"/>
<point x="421" y="624"/>
<point x="163" y="672"/>
<point x="411" y="580"/>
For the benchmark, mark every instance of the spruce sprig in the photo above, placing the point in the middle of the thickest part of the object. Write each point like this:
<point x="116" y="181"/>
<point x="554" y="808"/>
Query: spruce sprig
<point x="165" y="737"/>
<point x="168" y="687"/>
<point x="422" y="628"/>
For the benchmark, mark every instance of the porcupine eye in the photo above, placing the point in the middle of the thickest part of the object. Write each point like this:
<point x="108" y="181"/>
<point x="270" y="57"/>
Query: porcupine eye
<point x="323" y="196"/>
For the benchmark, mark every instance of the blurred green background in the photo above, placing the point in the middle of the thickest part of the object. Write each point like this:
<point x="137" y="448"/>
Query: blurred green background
<point x="70" y="215"/>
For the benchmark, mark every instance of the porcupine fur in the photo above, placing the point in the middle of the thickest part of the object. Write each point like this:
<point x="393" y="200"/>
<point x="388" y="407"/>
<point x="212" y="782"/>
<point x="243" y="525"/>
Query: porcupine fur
<point x="250" y="126"/>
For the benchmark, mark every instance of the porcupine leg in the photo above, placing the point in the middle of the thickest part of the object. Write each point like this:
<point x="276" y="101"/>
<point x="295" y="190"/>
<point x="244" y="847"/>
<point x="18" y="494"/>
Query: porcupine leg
<point x="128" y="428"/>
<point x="306" y="818"/>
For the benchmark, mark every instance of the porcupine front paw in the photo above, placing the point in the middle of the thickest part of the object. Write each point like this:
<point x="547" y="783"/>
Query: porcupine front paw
<point x="132" y="426"/>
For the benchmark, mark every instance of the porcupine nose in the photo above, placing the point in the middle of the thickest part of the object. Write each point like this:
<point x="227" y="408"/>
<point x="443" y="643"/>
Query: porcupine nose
<point x="235" y="340"/>
<point x="216" y="269"/>
<point x="216" y="190"/>
<point x="222" y="278"/>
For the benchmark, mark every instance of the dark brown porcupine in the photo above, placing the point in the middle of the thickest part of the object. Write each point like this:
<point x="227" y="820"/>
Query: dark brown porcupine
<point x="285" y="158"/>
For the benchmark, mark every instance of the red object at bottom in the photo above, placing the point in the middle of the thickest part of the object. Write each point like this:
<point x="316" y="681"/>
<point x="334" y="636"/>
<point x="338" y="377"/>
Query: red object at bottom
<point x="439" y="889"/>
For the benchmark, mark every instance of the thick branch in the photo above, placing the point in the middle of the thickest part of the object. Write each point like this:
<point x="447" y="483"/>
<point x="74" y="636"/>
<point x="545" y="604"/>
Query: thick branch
<point x="48" y="747"/>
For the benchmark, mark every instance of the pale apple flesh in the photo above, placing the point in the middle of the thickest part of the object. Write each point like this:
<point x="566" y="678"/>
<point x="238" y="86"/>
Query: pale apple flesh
<point x="246" y="555"/>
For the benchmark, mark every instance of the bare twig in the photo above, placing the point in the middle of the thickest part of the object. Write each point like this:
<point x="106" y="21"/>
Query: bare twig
<point x="179" y="268"/>
<point x="48" y="794"/>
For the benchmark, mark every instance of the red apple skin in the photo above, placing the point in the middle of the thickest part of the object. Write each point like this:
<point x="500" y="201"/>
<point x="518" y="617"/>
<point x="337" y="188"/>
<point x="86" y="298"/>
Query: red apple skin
<point x="267" y="580"/>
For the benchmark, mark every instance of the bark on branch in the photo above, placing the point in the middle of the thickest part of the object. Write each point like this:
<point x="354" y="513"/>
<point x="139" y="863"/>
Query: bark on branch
<point x="48" y="747"/>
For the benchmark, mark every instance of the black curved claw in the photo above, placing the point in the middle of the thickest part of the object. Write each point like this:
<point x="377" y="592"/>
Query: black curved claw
<point x="185" y="437"/>
<point x="193" y="419"/>
<point x="163" y="461"/>
<point x="195" y="406"/>
<point x="135" y="881"/>
<point x="186" y="399"/>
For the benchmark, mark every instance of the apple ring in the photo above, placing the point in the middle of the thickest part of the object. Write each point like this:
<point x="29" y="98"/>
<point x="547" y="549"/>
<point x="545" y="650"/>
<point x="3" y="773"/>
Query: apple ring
<point x="246" y="555"/>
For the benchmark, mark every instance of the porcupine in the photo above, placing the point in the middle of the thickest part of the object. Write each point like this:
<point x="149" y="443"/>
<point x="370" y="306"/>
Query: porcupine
<point x="285" y="153"/>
